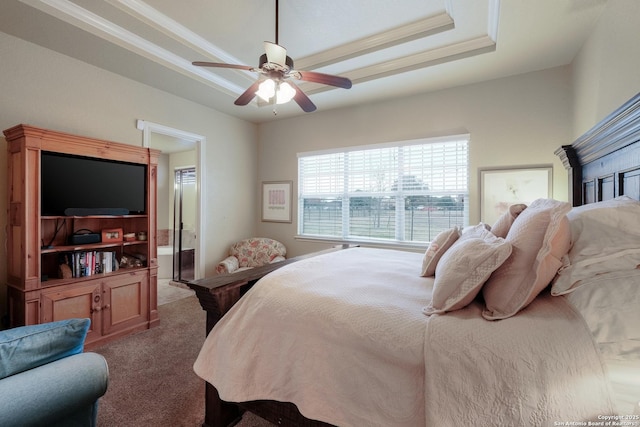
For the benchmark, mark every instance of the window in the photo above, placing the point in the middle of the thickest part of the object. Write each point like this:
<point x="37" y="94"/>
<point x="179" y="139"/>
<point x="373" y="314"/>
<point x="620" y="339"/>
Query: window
<point x="400" y="192"/>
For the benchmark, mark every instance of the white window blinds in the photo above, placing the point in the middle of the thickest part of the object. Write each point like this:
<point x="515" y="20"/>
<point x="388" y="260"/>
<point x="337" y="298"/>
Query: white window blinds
<point x="406" y="191"/>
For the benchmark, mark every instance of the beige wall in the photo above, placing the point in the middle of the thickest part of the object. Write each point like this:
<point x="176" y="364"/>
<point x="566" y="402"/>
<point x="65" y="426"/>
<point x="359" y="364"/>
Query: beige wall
<point x="42" y="88"/>
<point x="180" y="161"/>
<point x="165" y="190"/>
<point x="512" y="121"/>
<point x="606" y="70"/>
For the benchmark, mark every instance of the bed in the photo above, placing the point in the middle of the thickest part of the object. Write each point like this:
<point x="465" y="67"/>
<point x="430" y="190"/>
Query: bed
<point x="533" y="322"/>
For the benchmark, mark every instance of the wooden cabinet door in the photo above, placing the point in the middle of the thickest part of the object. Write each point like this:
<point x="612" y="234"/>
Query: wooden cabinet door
<point x="77" y="301"/>
<point x="125" y="302"/>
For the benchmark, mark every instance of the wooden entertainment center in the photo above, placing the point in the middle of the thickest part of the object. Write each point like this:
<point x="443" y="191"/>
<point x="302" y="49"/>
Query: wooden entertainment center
<point x="42" y="285"/>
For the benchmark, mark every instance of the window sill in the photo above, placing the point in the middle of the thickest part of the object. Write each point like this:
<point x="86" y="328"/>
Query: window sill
<point x="405" y="246"/>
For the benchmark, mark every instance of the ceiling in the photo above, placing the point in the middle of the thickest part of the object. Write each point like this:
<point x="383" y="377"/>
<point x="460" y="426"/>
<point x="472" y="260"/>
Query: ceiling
<point x="387" y="48"/>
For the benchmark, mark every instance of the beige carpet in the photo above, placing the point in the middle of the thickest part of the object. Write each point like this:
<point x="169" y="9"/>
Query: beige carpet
<point x="151" y="378"/>
<point x="170" y="291"/>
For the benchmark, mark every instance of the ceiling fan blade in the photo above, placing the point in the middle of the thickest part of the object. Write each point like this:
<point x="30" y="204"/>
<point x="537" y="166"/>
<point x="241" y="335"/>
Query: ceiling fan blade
<point x="248" y="94"/>
<point x="275" y="53"/>
<point x="326" y="79"/>
<point x="222" y="65"/>
<point x="303" y="100"/>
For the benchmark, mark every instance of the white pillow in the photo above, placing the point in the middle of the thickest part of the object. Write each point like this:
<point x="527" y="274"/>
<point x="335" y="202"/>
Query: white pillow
<point x="464" y="268"/>
<point x="605" y="237"/>
<point x="609" y="304"/>
<point x="437" y="248"/>
<point x="540" y="237"/>
<point x="503" y="224"/>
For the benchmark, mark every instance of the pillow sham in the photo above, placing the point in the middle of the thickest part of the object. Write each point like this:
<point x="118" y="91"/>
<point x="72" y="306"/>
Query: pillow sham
<point x="502" y="225"/>
<point x="540" y="237"/>
<point x="438" y="246"/>
<point x="27" y="347"/>
<point x="609" y="305"/>
<point x="605" y="238"/>
<point x="464" y="268"/>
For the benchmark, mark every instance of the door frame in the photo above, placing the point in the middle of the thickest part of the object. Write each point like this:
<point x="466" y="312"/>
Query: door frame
<point x="147" y="129"/>
<point x="178" y="219"/>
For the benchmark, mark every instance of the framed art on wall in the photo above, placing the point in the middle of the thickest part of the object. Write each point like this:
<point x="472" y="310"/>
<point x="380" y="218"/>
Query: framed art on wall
<point x="276" y="201"/>
<point x="506" y="186"/>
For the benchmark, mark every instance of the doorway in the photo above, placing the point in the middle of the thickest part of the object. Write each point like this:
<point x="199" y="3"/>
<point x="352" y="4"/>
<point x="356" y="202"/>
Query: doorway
<point x="184" y="203"/>
<point x="175" y="143"/>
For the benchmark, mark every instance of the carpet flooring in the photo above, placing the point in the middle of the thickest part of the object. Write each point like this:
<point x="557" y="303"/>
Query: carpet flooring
<point x="151" y="378"/>
<point x="170" y="291"/>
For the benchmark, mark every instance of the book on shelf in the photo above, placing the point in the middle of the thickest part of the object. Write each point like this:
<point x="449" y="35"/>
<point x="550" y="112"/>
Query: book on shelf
<point x="89" y="263"/>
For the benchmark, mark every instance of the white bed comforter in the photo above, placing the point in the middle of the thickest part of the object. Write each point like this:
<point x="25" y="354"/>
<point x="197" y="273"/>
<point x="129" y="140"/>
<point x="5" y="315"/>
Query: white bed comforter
<point x="342" y="335"/>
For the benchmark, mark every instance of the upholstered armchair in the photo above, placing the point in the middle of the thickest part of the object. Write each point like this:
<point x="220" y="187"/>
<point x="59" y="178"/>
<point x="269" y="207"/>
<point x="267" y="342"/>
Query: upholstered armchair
<point x="47" y="379"/>
<point x="252" y="252"/>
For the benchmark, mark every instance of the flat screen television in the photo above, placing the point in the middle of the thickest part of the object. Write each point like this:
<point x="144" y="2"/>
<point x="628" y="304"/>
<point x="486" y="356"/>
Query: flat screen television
<point x="92" y="185"/>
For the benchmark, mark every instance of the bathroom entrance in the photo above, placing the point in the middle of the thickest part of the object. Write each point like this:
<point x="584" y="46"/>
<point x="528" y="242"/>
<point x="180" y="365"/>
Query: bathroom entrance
<point x="184" y="220"/>
<point x="180" y="204"/>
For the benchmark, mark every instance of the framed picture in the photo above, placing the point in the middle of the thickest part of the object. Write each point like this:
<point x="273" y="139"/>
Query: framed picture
<point x="506" y="186"/>
<point x="276" y="201"/>
<point x="112" y="235"/>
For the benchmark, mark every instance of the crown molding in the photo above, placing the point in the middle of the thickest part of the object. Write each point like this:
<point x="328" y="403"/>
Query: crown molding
<point x="98" y="26"/>
<point x="416" y="30"/>
<point x="75" y="15"/>
<point x="463" y="49"/>
<point x="173" y="29"/>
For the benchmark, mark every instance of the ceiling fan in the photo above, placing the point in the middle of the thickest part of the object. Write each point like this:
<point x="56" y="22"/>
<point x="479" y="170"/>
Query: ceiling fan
<point x="275" y="68"/>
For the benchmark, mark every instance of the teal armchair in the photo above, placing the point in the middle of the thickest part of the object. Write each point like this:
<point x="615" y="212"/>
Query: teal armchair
<point x="46" y="379"/>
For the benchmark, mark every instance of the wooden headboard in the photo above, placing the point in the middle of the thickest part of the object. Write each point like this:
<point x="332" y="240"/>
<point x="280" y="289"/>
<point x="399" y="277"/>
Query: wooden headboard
<point x="605" y="162"/>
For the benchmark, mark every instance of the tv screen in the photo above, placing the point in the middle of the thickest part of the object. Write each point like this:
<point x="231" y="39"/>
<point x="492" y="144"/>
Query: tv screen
<point x="91" y="184"/>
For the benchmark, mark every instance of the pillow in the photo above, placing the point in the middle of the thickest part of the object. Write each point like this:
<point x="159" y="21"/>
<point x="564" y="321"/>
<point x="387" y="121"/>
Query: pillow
<point x="471" y="227"/>
<point x="437" y="248"/>
<point x="605" y="238"/>
<point x="540" y="237"/>
<point x="464" y="268"/>
<point x="609" y="305"/>
<point x="27" y="347"/>
<point x="502" y="225"/>
<point x="227" y="265"/>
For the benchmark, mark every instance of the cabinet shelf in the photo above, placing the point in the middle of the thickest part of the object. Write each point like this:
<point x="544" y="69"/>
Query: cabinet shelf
<point x="92" y="216"/>
<point x="90" y="247"/>
<point x="122" y="270"/>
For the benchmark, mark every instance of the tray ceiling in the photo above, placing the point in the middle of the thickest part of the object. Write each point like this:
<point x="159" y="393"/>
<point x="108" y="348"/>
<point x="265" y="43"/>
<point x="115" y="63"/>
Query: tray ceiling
<point x="388" y="49"/>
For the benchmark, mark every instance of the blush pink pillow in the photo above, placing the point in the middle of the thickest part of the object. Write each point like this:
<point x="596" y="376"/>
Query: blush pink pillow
<point x="503" y="224"/>
<point x="437" y="248"/>
<point x="540" y="237"/>
<point x="464" y="268"/>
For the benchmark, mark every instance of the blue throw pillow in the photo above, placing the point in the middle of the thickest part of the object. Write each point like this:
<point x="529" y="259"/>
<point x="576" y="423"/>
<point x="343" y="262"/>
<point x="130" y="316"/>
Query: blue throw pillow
<point x="27" y="347"/>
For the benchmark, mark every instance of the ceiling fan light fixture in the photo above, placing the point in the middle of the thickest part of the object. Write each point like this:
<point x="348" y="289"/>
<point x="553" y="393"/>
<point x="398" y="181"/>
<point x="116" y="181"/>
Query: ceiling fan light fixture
<point x="274" y="67"/>
<point x="266" y="90"/>
<point x="285" y="93"/>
